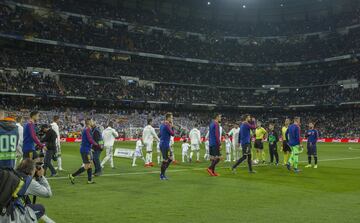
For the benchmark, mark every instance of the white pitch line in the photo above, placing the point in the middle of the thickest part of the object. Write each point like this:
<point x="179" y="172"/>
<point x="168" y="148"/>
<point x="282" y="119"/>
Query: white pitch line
<point x="353" y="149"/>
<point x="186" y="169"/>
<point x="121" y="174"/>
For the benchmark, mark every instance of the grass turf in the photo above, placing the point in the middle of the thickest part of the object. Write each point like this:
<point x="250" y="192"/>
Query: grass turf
<point x="330" y="193"/>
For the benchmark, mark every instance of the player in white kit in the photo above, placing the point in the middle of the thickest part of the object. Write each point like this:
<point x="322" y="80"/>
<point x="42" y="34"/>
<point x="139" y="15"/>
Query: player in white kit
<point x="159" y="156"/>
<point x="138" y="152"/>
<point x="195" y="139"/>
<point x="207" y="155"/>
<point x="148" y="137"/>
<point x="172" y="142"/>
<point x="234" y="133"/>
<point x="19" y="123"/>
<point x="55" y="127"/>
<point x="109" y="134"/>
<point x="185" y="150"/>
<point x="227" y="148"/>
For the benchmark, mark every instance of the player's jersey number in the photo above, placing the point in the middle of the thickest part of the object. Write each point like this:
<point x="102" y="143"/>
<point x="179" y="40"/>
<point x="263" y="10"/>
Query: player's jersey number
<point x="8" y="143"/>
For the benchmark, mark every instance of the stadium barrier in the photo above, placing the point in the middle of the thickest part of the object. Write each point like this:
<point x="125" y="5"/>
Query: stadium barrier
<point x="177" y="139"/>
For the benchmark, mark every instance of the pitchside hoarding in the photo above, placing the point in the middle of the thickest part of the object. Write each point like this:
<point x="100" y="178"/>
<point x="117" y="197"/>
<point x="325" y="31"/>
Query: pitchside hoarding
<point x="177" y="139"/>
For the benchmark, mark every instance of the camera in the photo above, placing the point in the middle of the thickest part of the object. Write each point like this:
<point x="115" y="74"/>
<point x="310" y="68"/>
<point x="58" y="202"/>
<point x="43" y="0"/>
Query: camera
<point x="38" y="166"/>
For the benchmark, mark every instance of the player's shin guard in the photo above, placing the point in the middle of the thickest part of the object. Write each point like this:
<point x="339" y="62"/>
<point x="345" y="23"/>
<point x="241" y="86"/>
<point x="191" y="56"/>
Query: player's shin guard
<point x="89" y="174"/>
<point x="214" y="163"/>
<point x="276" y="156"/>
<point x="249" y="160"/>
<point x="206" y="156"/>
<point x="271" y="153"/>
<point x="291" y="160"/>
<point x="191" y="155"/>
<point x="315" y="159"/>
<point x="78" y="172"/>
<point x="134" y="160"/>
<point x="286" y="157"/>
<point x="198" y="155"/>
<point x="150" y="157"/>
<point x="147" y="160"/>
<point x="295" y="160"/>
<point x="163" y="168"/>
<point x="309" y="159"/>
<point x="239" y="161"/>
<point x="112" y="161"/>
<point x="263" y="155"/>
<point x="59" y="161"/>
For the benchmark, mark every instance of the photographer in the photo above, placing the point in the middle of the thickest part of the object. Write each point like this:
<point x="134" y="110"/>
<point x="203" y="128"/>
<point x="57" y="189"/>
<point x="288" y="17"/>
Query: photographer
<point x="12" y="209"/>
<point x="38" y="186"/>
<point x="50" y="141"/>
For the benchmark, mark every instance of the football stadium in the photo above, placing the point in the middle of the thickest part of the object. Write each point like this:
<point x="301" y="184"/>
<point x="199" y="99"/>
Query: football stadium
<point x="179" y="111"/>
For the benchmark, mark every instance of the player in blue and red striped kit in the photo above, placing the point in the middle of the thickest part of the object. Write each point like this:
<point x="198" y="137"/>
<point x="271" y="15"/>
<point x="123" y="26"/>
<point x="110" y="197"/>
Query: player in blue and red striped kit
<point x="166" y="131"/>
<point x="85" y="150"/>
<point x="245" y="141"/>
<point x="312" y="136"/>
<point x="30" y="138"/>
<point x="214" y="144"/>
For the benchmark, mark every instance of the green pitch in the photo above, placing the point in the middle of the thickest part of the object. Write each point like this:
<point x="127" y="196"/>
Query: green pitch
<point x="330" y="193"/>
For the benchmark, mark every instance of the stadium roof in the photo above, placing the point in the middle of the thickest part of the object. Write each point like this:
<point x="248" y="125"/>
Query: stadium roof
<point x="245" y="10"/>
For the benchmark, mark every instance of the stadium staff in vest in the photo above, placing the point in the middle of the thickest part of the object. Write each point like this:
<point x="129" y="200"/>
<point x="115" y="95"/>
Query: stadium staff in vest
<point x="9" y="137"/>
<point x="50" y="140"/>
<point x="96" y="133"/>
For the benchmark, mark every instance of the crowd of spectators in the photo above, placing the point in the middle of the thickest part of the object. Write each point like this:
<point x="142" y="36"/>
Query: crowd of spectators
<point x="116" y="90"/>
<point x="97" y="76"/>
<point x="75" y="30"/>
<point x="28" y="82"/>
<point x="190" y="83"/>
<point x="331" y="124"/>
<point x="76" y="61"/>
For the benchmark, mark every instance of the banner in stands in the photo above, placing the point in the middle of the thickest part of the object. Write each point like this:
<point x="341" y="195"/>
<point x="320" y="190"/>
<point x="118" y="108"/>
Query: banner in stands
<point x="177" y="139"/>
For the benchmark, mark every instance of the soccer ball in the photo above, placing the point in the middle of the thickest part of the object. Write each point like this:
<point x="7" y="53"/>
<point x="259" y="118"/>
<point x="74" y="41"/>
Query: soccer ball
<point x="255" y="162"/>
